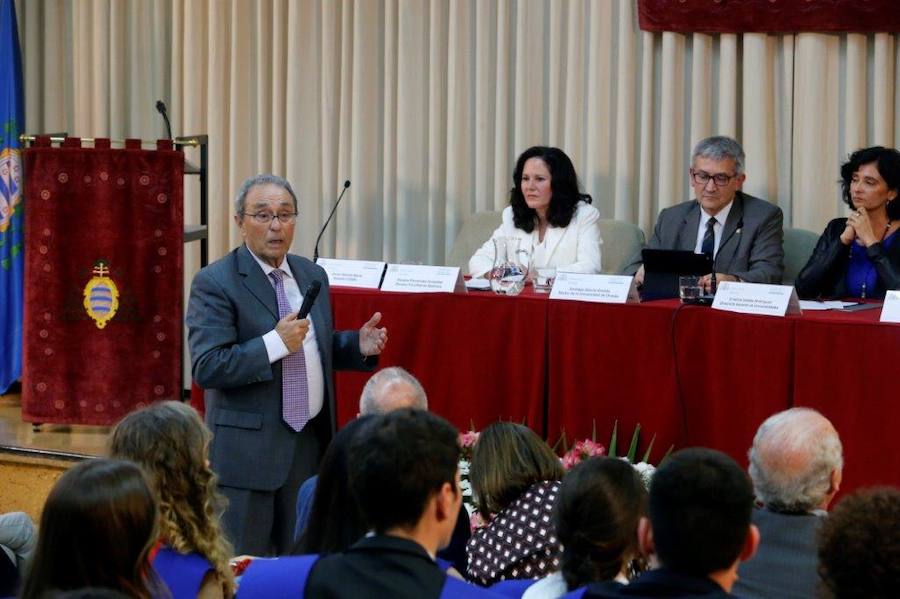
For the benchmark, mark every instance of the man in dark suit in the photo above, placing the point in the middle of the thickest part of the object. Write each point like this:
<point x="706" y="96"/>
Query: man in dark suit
<point x="743" y="234"/>
<point x="407" y="476"/>
<point x="268" y="374"/>
<point x="796" y="464"/>
<point x="698" y="531"/>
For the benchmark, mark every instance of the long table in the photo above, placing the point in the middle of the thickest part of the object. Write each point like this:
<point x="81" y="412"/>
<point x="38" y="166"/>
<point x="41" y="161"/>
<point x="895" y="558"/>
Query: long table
<point x="688" y="375"/>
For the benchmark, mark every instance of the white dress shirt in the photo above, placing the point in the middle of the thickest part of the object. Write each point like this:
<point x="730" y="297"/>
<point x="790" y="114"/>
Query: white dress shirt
<point x="720" y="219"/>
<point x="276" y="349"/>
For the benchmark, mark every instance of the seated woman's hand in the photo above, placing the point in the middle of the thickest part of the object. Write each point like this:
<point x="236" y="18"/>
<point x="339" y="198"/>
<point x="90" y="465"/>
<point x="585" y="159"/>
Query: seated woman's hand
<point x="848" y="235"/>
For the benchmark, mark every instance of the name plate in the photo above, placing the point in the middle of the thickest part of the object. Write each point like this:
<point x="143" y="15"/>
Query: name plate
<point x="756" y="298"/>
<point x="365" y="274"/>
<point x="890" y="311"/>
<point x="416" y="278"/>
<point x="601" y="289"/>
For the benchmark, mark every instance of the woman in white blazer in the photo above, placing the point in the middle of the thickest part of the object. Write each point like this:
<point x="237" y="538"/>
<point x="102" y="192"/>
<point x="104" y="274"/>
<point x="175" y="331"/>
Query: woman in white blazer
<point x="555" y="223"/>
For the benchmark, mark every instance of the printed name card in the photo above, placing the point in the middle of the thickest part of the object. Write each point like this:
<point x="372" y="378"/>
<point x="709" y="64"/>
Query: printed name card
<point x="365" y="274"/>
<point x="756" y="298"/>
<point x="890" y="311"/>
<point x="416" y="278"/>
<point x="602" y="289"/>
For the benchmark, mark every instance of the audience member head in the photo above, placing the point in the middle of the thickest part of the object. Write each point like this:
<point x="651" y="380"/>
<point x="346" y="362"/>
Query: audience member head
<point x="507" y="459"/>
<point x="404" y="473"/>
<point x="796" y="461"/>
<point x="169" y="441"/>
<point x="859" y="546"/>
<point x="700" y="506"/>
<point x="717" y="172"/>
<point x="97" y="528"/>
<point x="601" y="501"/>
<point x="887" y="164"/>
<point x="391" y="389"/>
<point x="335" y="521"/>
<point x="563" y="190"/>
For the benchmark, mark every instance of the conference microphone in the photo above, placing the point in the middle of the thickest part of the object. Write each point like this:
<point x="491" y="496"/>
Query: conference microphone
<point x="309" y="298"/>
<point x="328" y="220"/>
<point x="161" y="108"/>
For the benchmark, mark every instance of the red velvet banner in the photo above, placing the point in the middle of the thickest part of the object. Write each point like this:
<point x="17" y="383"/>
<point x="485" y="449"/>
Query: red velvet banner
<point x="103" y="280"/>
<point x="773" y="16"/>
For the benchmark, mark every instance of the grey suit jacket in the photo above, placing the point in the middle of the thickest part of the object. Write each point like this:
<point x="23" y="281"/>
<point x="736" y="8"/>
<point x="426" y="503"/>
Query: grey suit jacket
<point x="786" y="561"/>
<point x="232" y="305"/>
<point x="752" y="240"/>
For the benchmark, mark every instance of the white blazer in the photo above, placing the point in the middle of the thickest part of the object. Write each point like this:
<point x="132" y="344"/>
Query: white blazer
<point x="575" y="248"/>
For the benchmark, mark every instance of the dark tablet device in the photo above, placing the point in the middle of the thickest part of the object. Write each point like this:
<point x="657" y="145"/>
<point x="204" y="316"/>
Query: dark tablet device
<point x="663" y="267"/>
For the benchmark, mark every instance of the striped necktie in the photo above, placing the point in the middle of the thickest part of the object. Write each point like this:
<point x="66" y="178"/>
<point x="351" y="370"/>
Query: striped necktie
<point x="709" y="238"/>
<point x="294" y="386"/>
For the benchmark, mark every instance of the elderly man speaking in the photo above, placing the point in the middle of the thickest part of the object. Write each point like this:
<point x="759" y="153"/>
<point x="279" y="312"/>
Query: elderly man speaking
<point x="268" y="373"/>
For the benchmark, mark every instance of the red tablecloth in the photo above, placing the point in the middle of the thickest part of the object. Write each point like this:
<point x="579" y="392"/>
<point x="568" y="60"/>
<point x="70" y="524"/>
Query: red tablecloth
<point x="614" y="362"/>
<point x="844" y="367"/>
<point x="481" y="357"/>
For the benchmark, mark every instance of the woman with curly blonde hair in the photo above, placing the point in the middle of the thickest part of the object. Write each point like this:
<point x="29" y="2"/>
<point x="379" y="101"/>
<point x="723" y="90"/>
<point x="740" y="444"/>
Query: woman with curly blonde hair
<point x="169" y="441"/>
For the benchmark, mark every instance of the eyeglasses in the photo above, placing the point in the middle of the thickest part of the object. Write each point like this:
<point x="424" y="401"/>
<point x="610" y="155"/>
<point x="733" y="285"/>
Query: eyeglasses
<point x="264" y="218"/>
<point x="702" y="178"/>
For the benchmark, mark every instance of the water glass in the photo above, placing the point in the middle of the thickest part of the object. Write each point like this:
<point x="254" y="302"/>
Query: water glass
<point x="543" y="282"/>
<point x="689" y="288"/>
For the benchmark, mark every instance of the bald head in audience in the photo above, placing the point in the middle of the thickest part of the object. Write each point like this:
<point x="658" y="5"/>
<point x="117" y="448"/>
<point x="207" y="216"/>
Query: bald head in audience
<point x="392" y="389"/>
<point x="796" y="461"/>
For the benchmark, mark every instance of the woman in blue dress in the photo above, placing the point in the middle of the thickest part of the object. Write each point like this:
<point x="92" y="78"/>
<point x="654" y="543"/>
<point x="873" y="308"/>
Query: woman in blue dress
<point x="859" y="256"/>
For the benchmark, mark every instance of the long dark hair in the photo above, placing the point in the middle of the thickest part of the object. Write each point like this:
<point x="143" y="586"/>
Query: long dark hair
<point x="563" y="183"/>
<point x="887" y="161"/>
<point x="97" y="528"/>
<point x="335" y="520"/>
<point x="596" y="516"/>
<point x="507" y="459"/>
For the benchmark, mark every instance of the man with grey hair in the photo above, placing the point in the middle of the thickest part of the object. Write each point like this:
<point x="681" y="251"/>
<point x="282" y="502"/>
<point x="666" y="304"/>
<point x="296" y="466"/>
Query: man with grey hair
<point x="741" y="233"/>
<point x="267" y="374"/>
<point x="391" y="389"/>
<point x="796" y="463"/>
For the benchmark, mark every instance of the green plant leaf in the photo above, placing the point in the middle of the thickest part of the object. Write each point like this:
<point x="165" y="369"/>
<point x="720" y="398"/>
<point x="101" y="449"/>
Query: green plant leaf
<point x="612" y="440"/>
<point x="668" y="453"/>
<point x="632" y="448"/>
<point x="646" y="457"/>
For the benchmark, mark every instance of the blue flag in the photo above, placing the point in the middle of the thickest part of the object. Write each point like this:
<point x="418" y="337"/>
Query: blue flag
<point x="12" y="220"/>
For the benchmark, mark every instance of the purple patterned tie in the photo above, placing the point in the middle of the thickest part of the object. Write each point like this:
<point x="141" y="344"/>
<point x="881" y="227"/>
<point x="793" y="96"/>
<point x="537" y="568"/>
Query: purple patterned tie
<point x="294" y="387"/>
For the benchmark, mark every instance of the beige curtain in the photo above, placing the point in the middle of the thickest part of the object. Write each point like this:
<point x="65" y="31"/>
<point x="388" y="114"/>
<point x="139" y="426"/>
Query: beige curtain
<point x="425" y="105"/>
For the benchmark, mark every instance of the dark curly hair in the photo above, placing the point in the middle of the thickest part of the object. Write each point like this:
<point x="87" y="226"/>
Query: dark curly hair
<point x="859" y="546"/>
<point x="563" y="183"/>
<point x="596" y="517"/>
<point x="887" y="161"/>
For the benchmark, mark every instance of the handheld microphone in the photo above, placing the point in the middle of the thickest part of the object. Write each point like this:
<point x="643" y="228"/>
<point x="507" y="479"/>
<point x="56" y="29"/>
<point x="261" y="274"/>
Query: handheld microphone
<point x="328" y="220"/>
<point x="309" y="298"/>
<point x="161" y="108"/>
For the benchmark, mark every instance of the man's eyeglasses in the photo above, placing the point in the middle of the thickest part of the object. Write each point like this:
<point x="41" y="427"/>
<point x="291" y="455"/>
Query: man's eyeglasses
<point x="264" y="218"/>
<point x="702" y="178"/>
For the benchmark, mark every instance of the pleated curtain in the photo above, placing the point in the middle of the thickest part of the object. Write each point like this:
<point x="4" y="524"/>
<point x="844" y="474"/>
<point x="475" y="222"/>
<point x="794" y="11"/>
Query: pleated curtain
<point x="424" y="105"/>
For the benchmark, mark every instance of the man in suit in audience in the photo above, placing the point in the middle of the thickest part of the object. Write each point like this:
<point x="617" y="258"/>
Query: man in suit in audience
<point x="267" y="374"/>
<point x="743" y="234"/>
<point x="407" y="471"/>
<point x="795" y="463"/>
<point x="387" y="390"/>
<point x="698" y="531"/>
